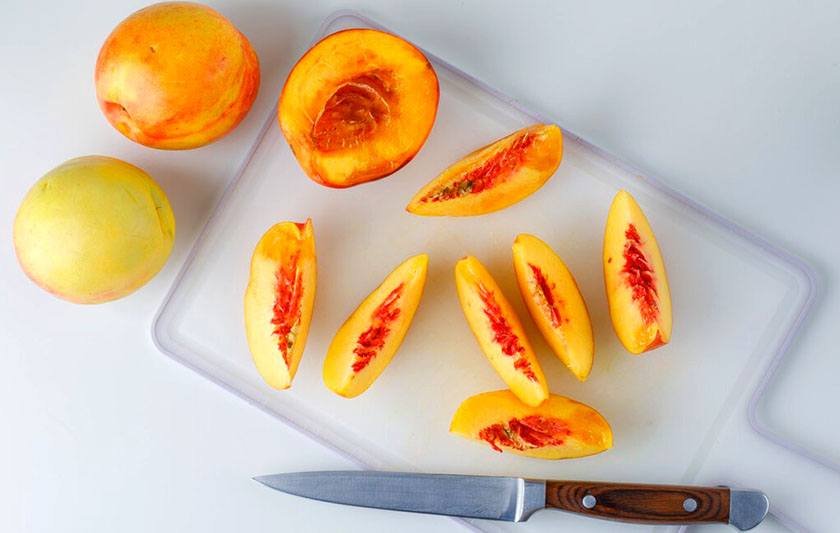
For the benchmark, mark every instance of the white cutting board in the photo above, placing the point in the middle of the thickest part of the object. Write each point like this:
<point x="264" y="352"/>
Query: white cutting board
<point x="737" y="302"/>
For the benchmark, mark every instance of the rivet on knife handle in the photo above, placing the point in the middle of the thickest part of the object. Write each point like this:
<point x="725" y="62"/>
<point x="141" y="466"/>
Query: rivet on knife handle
<point x="658" y="504"/>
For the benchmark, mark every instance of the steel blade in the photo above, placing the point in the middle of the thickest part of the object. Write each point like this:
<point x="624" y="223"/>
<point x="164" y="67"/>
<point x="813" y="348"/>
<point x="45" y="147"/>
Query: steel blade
<point x="495" y="498"/>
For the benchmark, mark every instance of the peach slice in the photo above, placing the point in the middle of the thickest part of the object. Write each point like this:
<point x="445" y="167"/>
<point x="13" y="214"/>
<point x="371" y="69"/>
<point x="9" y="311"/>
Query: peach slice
<point x="358" y="106"/>
<point x="559" y="428"/>
<point x="369" y="338"/>
<point x="279" y="300"/>
<point x="635" y="280"/>
<point x="555" y="303"/>
<point x="499" y="331"/>
<point x="494" y="177"/>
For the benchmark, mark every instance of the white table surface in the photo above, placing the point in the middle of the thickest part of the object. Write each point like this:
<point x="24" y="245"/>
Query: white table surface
<point x="735" y="103"/>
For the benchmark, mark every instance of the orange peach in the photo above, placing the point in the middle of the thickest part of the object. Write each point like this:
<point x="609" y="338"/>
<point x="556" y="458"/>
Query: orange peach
<point x="279" y="300"/>
<point x="555" y="303"/>
<point x="635" y="279"/>
<point x="176" y="75"/>
<point x="499" y="331"/>
<point x="358" y="106"/>
<point x="494" y="177"/>
<point x="94" y="229"/>
<point x="559" y="428"/>
<point x="371" y="336"/>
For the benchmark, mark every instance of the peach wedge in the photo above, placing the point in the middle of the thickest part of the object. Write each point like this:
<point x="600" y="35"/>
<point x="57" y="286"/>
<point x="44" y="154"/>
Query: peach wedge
<point x="555" y="303"/>
<point x="493" y="177"/>
<point x="369" y="338"/>
<point x="358" y="106"/>
<point x="499" y="331"/>
<point x="635" y="280"/>
<point x="559" y="428"/>
<point x="279" y="300"/>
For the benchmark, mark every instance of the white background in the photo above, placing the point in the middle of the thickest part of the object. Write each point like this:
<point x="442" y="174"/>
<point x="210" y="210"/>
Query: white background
<point x="736" y="104"/>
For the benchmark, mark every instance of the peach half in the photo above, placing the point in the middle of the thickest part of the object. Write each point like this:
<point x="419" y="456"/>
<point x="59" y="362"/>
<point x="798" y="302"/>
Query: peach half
<point x="635" y="279"/>
<point x="555" y="303"/>
<point x="559" y="428"/>
<point x="371" y="336"/>
<point x="176" y="75"/>
<point x="494" y="177"/>
<point x="499" y="331"/>
<point x="358" y="106"/>
<point x="93" y="229"/>
<point x="279" y="300"/>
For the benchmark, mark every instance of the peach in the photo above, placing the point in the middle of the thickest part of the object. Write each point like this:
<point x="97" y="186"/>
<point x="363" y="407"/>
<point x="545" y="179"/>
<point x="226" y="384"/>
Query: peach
<point x="93" y="229"/>
<point x="495" y="176"/>
<point x="368" y="340"/>
<point x="559" y="428"/>
<point x="499" y="332"/>
<point x="555" y="303"/>
<point x="279" y="300"/>
<point x="176" y="75"/>
<point x="635" y="279"/>
<point x="358" y="106"/>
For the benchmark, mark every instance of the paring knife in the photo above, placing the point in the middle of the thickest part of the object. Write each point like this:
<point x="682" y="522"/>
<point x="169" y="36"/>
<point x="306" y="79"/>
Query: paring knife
<point x="516" y="499"/>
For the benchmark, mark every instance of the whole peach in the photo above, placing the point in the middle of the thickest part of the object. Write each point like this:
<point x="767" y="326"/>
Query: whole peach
<point x="176" y="75"/>
<point x="93" y="229"/>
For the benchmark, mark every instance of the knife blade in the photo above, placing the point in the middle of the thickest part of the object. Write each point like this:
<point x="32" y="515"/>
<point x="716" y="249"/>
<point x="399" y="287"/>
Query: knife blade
<point x="515" y="499"/>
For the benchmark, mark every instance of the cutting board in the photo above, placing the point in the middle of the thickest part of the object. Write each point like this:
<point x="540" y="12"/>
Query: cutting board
<point x="738" y="302"/>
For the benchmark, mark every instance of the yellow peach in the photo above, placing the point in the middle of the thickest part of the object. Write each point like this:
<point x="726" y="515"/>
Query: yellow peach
<point x="493" y="177"/>
<point x="358" y="106"/>
<point x="279" y="300"/>
<point x="176" y="75"/>
<point x="94" y="229"/>
<point x="559" y="428"/>
<point x="555" y="303"/>
<point x="635" y="279"/>
<point x="372" y="334"/>
<point x="499" y="332"/>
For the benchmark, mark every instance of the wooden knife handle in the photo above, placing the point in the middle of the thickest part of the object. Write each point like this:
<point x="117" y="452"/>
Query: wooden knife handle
<point x="642" y="504"/>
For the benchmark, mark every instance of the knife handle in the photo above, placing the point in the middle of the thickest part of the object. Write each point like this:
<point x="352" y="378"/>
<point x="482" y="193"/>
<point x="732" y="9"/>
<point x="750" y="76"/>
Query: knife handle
<point x="641" y="504"/>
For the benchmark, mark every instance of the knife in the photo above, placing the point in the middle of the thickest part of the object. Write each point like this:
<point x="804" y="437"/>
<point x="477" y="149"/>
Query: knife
<point x="515" y="499"/>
